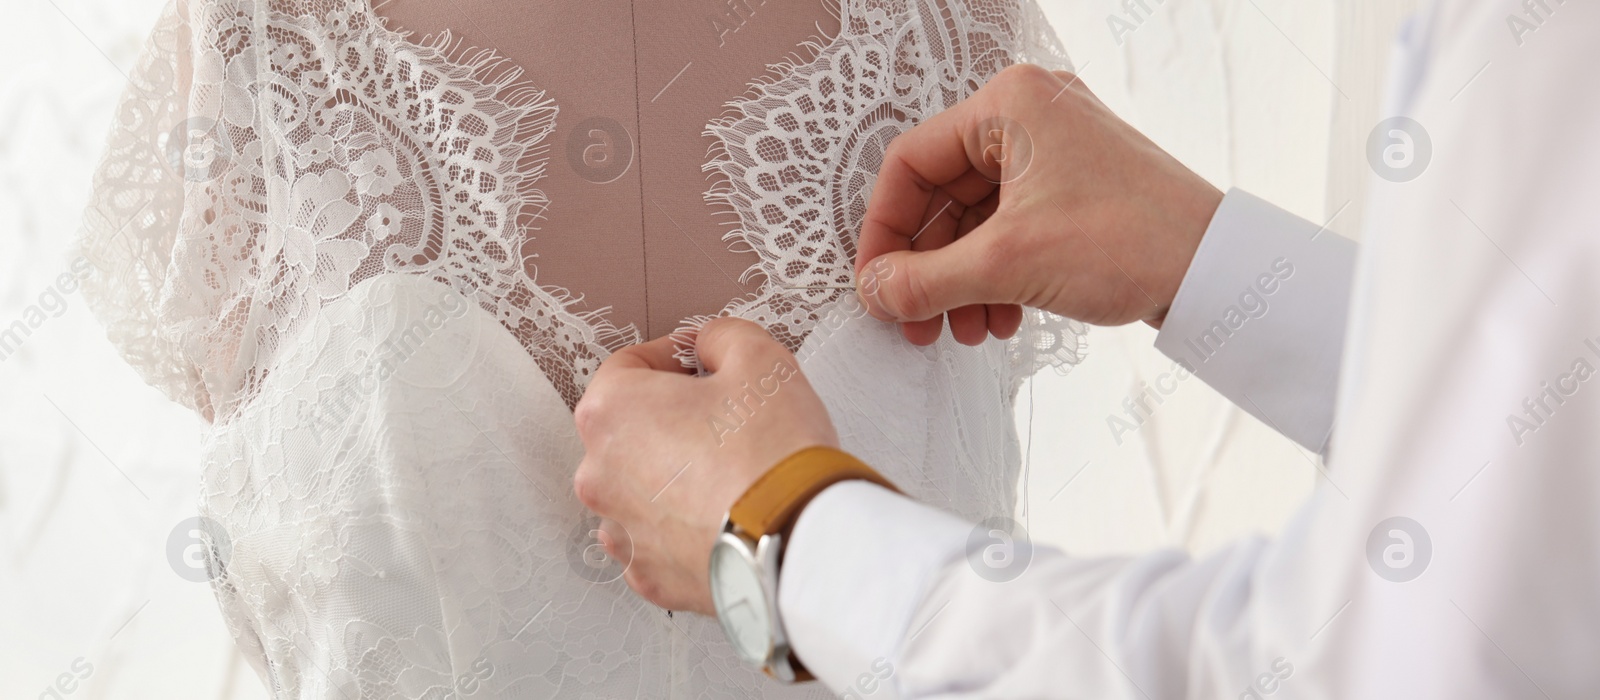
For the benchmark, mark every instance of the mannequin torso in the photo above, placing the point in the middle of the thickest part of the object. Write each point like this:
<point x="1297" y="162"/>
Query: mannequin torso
<point x="636" y="82"/>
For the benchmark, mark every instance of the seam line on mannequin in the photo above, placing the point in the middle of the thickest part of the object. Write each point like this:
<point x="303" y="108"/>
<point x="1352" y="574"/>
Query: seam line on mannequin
<point x="638" y="123"/>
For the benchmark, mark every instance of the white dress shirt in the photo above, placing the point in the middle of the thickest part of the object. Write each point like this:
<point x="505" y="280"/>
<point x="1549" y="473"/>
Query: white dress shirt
<point x="1451" y="363"/>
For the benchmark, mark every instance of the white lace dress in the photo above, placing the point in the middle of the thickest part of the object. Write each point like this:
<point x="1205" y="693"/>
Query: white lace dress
<point x="305" y="229"/>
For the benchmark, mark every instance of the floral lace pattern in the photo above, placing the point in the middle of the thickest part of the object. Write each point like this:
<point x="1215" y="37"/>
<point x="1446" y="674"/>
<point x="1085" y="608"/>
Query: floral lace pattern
<point x="312" y="149"/>
<point x="314" y="232"/>
<point x="800" y="154"/>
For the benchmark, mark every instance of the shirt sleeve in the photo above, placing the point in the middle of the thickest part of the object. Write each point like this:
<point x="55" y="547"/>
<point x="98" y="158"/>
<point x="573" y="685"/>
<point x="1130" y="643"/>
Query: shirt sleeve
<point x="1260" y="316"/>
<point x="916" y="618"/>
<point x="840" y="626"/>
<point x="1455" y="556"/>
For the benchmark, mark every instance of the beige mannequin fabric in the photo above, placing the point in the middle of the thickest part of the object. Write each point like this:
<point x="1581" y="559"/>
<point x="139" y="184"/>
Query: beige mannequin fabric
<point x="643" y="240"/>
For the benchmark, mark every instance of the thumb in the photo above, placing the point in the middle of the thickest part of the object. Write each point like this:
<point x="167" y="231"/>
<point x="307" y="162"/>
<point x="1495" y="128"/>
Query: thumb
<point x="727" y="342"/>
<point x="658" y="355"/>
<point x="907" y="285"/>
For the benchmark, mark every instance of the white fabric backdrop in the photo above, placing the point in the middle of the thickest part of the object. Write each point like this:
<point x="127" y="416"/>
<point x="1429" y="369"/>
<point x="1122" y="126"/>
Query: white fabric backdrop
<point x="96" y="470"/>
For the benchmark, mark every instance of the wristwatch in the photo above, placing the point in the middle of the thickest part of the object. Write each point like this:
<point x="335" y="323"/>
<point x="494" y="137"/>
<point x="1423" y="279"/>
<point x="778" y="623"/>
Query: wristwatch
<point x="747" y="556"/>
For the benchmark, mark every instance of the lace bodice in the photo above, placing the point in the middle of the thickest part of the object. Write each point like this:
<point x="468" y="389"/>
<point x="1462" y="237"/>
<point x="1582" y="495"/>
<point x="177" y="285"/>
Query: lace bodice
<point x="311" y="230"/>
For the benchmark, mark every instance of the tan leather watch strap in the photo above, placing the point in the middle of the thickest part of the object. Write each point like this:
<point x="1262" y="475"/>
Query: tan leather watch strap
<point x="778" y="495"/>
<point x="771" y="503"/>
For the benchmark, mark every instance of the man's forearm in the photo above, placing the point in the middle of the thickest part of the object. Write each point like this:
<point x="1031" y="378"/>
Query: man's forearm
<point x="880" y="601"/>
<point x="853" y="576"/>
<point x="1261" y="315"/>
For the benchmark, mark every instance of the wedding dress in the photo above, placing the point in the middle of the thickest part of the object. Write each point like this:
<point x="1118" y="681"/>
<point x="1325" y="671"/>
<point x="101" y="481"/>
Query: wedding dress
<point x="311" y="230"/>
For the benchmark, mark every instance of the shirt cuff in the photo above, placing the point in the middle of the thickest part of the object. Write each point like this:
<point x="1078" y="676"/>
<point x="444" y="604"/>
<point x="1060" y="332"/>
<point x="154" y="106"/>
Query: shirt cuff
<point x="1260" y="316"/>
<point x="859" y="562"/>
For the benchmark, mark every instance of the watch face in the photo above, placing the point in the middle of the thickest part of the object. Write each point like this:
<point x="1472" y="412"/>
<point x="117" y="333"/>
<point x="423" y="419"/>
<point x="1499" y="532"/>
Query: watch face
<point x="741" y="600"/>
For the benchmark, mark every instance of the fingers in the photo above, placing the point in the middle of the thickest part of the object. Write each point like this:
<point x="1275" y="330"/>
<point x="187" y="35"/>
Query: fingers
<point x="659" y="355"/>
<point x="609" y="385"/>
<point x="931" y="156"/>
<point x="943" y="217"/>
<point x="947" y="219"/>
<point x="971" y="325"/>
<point x="925" y="332"/>
<point x="912" y="286"/>
<point x="592" y="488"/>
<point x="956" y="157"/>
<point x="724" y="342"/>
<point x="614" y="538"/>
<point x="953" y="150"/>
<point x="1004" y="320"/>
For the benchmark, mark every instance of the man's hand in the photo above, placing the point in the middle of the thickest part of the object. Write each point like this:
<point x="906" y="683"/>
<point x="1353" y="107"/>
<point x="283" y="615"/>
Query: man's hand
<point x="1029" y="193"/>
<point x="668" y="453"/>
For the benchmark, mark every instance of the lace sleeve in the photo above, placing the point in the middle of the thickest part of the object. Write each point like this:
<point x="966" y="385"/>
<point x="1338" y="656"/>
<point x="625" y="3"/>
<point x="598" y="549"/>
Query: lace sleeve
<point x="309" y="149"/>
<point x="131" y="224"/>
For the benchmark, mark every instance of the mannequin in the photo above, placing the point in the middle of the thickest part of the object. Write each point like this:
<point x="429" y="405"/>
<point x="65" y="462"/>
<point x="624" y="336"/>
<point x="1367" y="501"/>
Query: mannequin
<point x="332" y="274"/>
<point x="632" y="233"/>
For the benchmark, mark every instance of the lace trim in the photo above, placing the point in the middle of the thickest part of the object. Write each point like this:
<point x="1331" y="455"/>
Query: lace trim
<point x="315" y="148"/>
<point x="582" y="339"/>
<point x="798" y="155"/>
<point x="306" y="119"/>
<point x="320" y="120"/>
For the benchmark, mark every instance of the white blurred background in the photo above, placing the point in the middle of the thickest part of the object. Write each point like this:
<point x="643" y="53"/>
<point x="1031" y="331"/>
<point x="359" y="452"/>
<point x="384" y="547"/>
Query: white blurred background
<point x="96" y="469"/>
